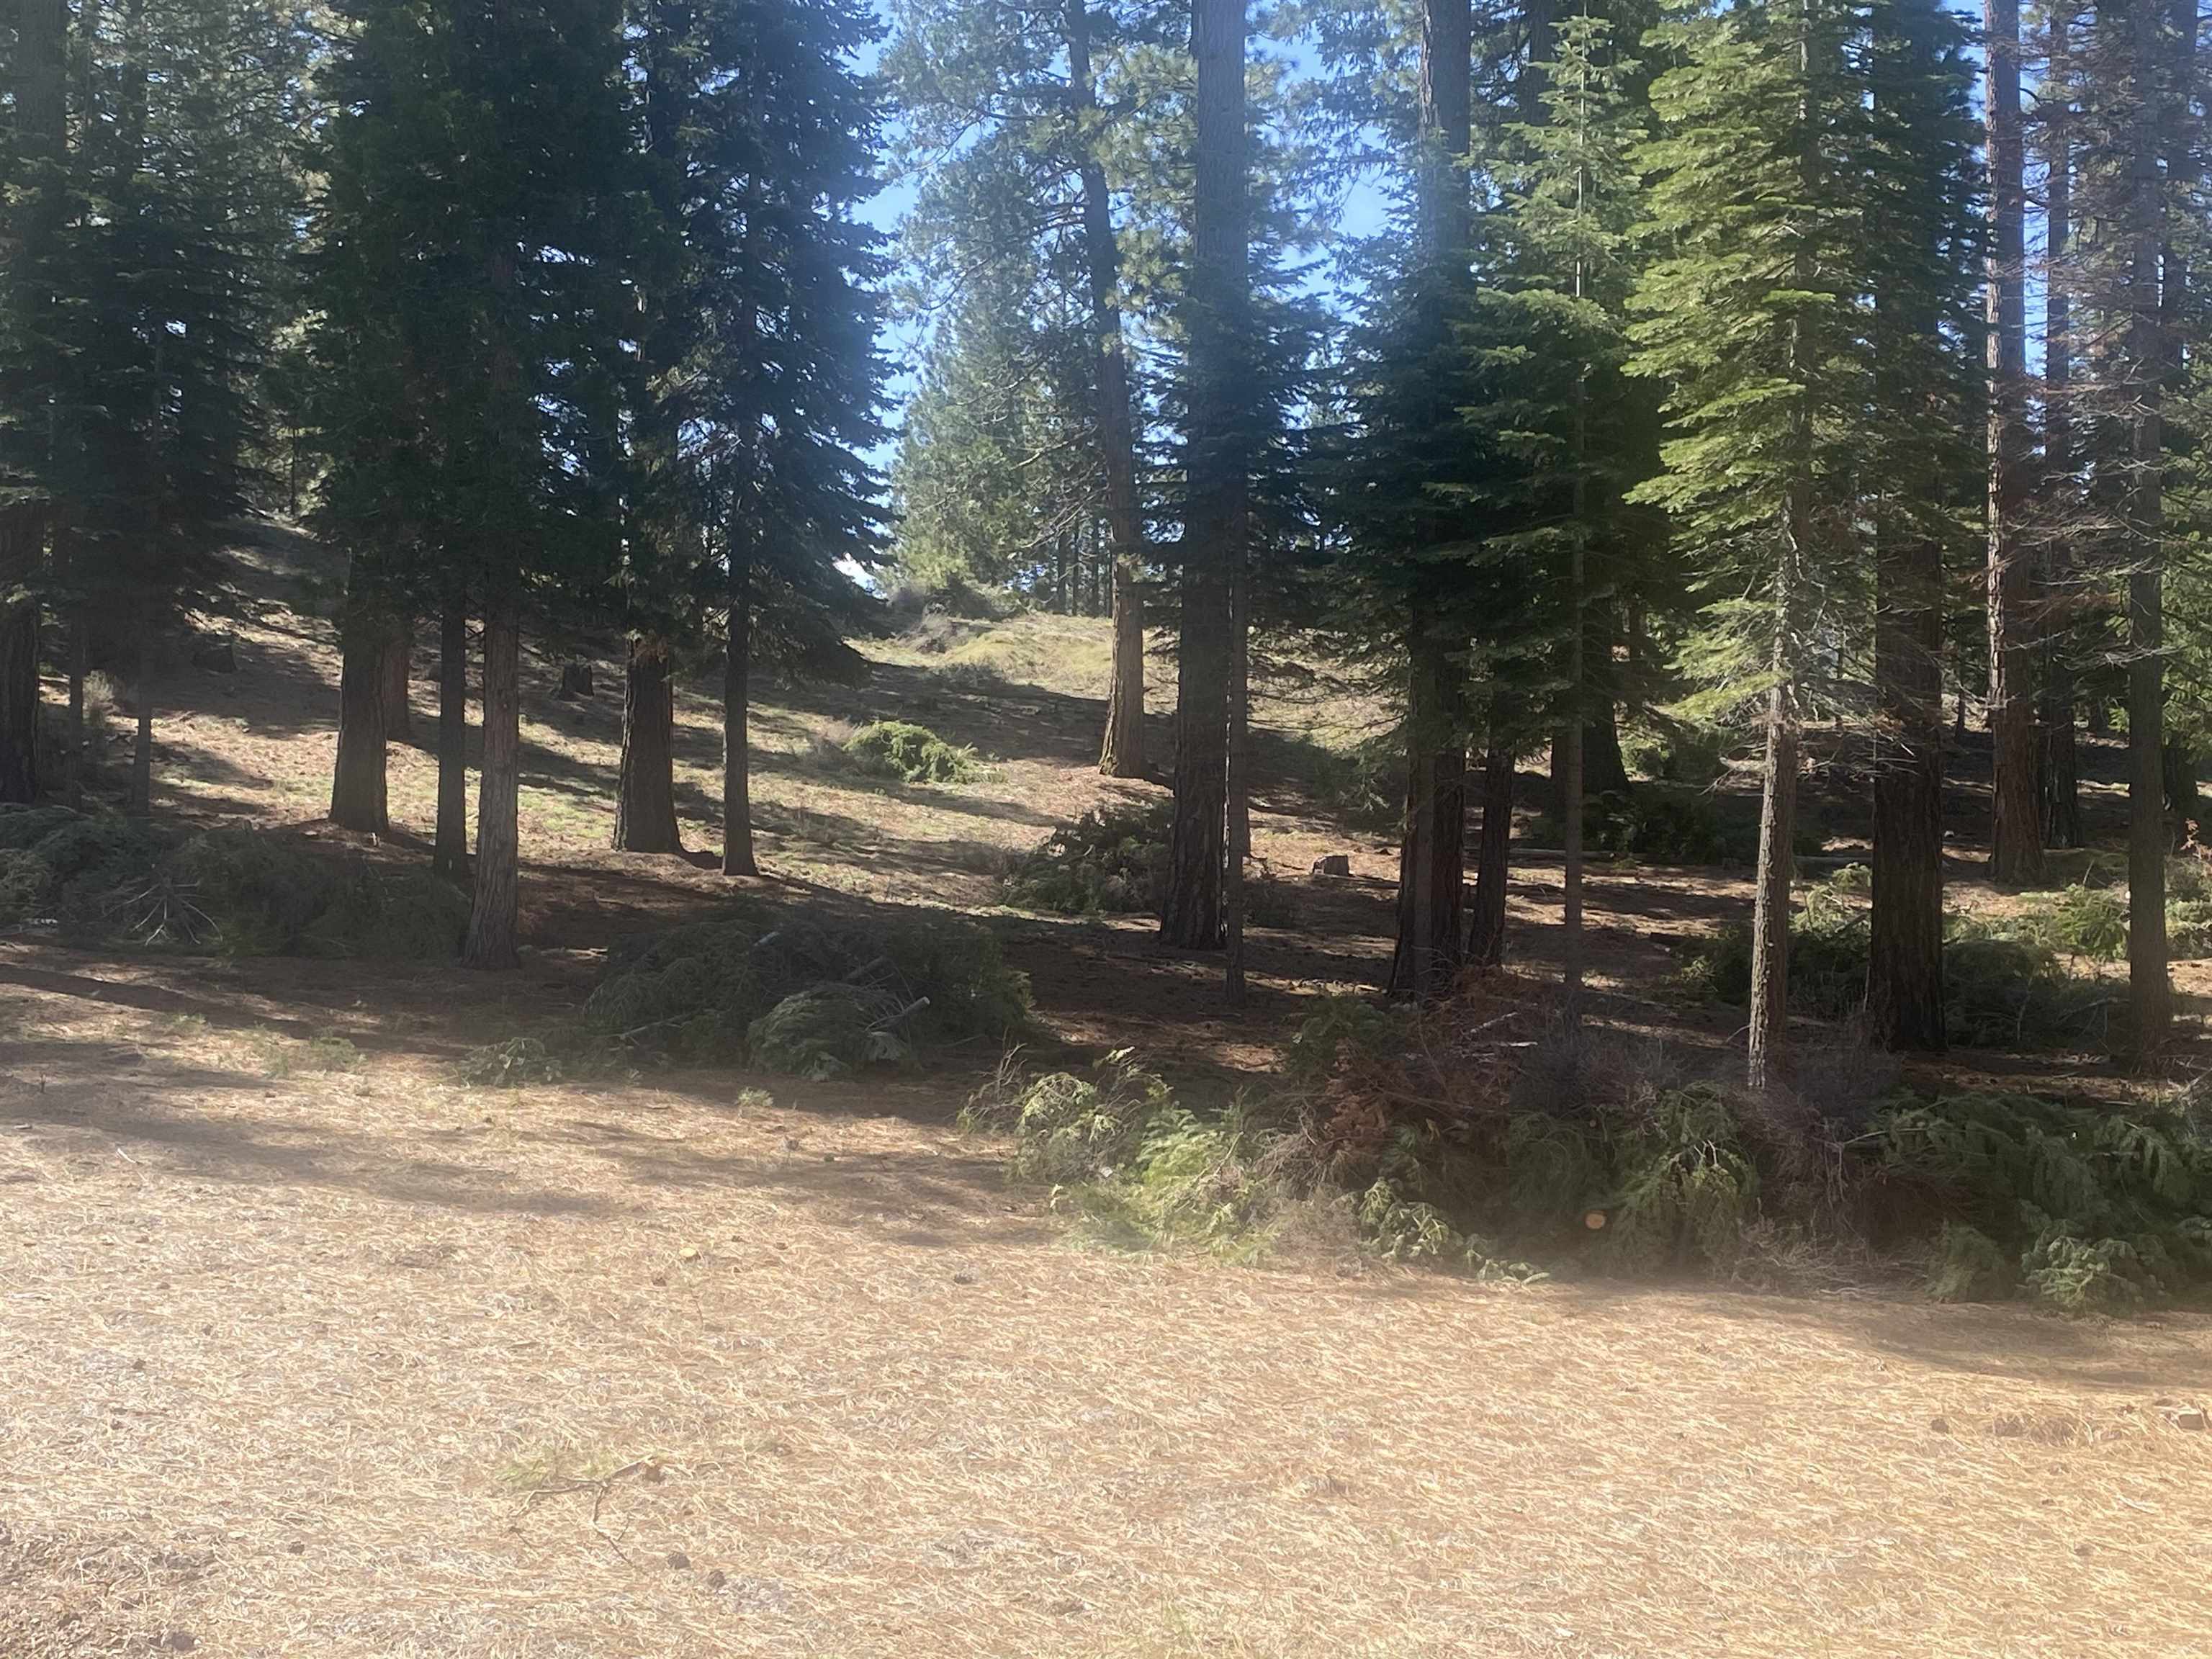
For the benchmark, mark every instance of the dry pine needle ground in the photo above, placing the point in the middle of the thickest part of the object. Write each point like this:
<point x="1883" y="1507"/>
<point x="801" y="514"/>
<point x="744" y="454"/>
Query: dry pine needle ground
<point x="352" y="1361"/>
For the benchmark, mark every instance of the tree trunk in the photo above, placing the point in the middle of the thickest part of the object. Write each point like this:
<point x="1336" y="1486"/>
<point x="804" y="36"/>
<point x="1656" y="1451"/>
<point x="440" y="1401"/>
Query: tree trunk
<point x="2016" y="838"/>
<point x="2149" y="993"/>
<point x="1433" y="852"/>
<point x="1904" y="956"/>
<point x="1240" y="782"/>
<point x="140" y="802"/>
<point x="1217" y="297"/>
<point x="42" y="135"/>
<point x="494" y="917"/>
<point x="737" y="757"/>
<point x="358" y="801"/>
<point x="645" y="801"/>
<point x="79" y="761"/>
<point x="1485" y="942"/>
<point x="1121" y="751"/>
<point x="450" y="856"/>
<point x="398" y="671"/>
<point x="2060" y="763"/>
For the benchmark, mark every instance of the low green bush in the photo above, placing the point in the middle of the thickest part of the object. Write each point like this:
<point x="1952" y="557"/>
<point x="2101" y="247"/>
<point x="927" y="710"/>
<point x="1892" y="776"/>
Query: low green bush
<point x="389" y="914"/>
<point x="261" y="891"/>
<point x="2001" y="990"/>
<point x="698" y="992"/>
<point x="910" y="753"/>
<point x="1110" y="861"/>
<point x="828" y="1031"/>
<point x="2089" y="1208"/>
<point x="27" y="886"/>
<point x="1668" y="824"/>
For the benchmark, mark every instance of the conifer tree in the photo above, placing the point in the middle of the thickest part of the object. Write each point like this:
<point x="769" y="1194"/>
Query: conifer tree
<point x="1919" y="228"/>
<point x="1749" y="319"/>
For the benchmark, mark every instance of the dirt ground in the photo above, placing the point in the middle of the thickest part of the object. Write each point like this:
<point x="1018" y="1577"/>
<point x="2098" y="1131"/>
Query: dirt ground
<point x="305" y="1347"/>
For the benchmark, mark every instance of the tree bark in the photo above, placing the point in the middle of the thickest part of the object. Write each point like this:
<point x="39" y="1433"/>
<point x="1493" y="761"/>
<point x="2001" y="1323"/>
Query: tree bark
<point x="140" y="802"/>
<point x="1214" y="466"/>
<point x="1121" y="750"/>
<point x="359" y="798"/>
<point x="2150" y="996"/>
<point x="1905" y="1006"/>
<point x="39" y="77"/>
<point x="495" y="914"/>
<point x="737" y="756"/>
<point x="78" y="762"/>
<point x="1240" y="782"/>
<point x="1432" y="853"/>
<point x="399" y="672"/>
<point x="450" y="856"/>
<point x="2016" y="838"/>
<point x="1486" y="944"/>
<point x="645" y="801"/>
<point x="2060" y="767"/>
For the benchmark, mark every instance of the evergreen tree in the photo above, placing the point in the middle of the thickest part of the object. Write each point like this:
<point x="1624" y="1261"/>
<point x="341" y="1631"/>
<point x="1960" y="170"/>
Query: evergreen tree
<point x="1920" y="230"/>
<point x="471" y="338"/>
<point x="1750" y="318"/>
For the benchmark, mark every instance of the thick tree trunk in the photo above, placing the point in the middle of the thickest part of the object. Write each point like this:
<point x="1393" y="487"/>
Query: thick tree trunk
<point x="140" y="802"/>
<point x="450" y="856"/>
<point x="1240" y="782"/>
<point x="1121" y="751"/>
<point x="1215" y="467"/>
<point x="2060" y="765"/>
<point x="2016" y="838"/>
<point x="1904" y="956"/>
<point x="79" y="760"/>
<point x="2150" y="996"/>
<point x="399" y="672"/>
<point x="1432" y="853"/>
<point x="645" y="801"/>
<point x="1485" y="941"/>
<point x="358" y="791"/>
<point x="495" y="916"/>
<point x="736" y="755"/>
<point x="39" y="74"/>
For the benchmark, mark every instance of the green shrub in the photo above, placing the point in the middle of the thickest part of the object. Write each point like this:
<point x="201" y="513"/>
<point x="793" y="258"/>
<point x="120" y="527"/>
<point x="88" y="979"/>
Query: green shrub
<point x="95" y="851"/>
<point x="1069" y="1128"/>
<point x="827" y="1032"/>
<point x="516" y="1063"/>
<point x="911" y="753"/>
<point x="1668" y="824"/>
<point x="23" y="826"/>
<point x="2001" y="990"/>
<point x="261" y="891"/>
<point x="1346" y="1025"/>
<point x="1675" y="753"/>
<point x="27" y="886"/>
<point x="1112" y="860"/>
<point x="2087" y="1208"/>
<point x="2189" y="929"/>
<point x="696" y="993"/>
<point x="394" y="916"/>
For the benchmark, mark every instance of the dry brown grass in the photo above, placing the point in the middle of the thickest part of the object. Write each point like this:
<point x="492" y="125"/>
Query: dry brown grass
<point x="361" y="1362"/>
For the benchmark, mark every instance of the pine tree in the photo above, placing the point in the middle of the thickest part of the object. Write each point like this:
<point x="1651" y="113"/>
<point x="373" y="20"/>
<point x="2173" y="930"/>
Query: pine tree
<point x="2016" y="842"/>
<point x="1216" y="512"/>
<point x="470" y="339"/>
<point x="1749" y="318"/>
<point x="1921" y="232"/>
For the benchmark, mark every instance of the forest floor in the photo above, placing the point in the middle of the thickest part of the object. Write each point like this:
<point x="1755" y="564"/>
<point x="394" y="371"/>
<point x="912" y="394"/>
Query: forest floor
<point x="307" y="1347"/>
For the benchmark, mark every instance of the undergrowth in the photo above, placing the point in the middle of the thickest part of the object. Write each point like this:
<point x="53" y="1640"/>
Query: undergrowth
<point x="911" y="753"/>
<point x="1114" y="861"/>
<point x="1491" y="1132"/>
<point x="2006" y="981"/>
<point x="810" y="996"/>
